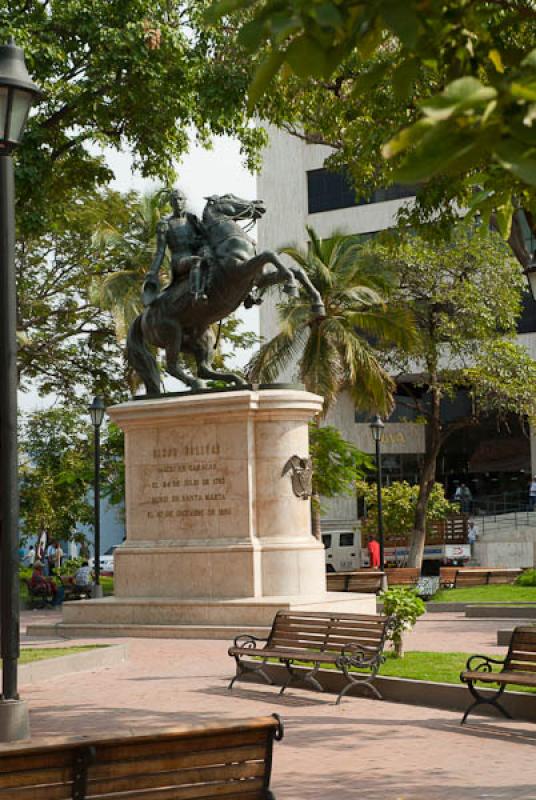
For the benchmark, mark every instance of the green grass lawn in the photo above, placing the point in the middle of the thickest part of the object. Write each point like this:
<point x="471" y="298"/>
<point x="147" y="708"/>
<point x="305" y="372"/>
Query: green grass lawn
<point x="30" y="654"/>
<point x="427" y="666"/>
<point x="107" y="583"/>
<point x="504" y="593"/>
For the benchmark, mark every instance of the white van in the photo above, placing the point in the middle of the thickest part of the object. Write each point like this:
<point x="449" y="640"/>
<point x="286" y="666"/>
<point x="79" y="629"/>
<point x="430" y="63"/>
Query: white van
<point x="342" y="550"/>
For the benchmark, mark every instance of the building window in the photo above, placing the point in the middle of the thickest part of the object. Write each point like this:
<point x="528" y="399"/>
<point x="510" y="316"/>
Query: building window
<point x="327" y="191"/>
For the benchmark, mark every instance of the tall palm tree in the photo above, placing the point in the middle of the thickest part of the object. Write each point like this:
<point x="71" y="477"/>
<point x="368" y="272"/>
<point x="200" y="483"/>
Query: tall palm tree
<point x="131" y="250"/>
<point x="340" y="350"/>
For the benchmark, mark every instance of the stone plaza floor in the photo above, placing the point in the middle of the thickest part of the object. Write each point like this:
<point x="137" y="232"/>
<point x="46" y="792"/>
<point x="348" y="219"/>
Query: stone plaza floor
<point x="363" y="748"/>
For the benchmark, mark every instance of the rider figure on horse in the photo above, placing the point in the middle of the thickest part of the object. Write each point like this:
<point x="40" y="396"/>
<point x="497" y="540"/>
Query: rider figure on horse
<point x="183" y="234"/>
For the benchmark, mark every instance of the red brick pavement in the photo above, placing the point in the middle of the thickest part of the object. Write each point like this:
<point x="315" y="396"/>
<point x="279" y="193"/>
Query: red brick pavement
<point x="360" y="749"/>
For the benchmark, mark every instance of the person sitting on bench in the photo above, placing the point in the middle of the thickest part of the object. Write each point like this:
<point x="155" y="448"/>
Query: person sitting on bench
<point x="44" y="586"/>
<point x="83" y="579"/>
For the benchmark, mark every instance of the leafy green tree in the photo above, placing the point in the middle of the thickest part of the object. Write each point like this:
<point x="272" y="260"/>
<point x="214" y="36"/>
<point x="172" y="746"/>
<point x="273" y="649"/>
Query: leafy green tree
<point x="465" y="296"/>
<point x="399" y="502"/>
<point x="337" y="466"/>
<point x="55" y="473"/>
<point x="336" y="352"/>
<point x="125" y="248"/>
<point x="139" y="75"/>
<point x="405" y="607"/>
<point x="67" y="343"/>
<point x="447" y="87"/>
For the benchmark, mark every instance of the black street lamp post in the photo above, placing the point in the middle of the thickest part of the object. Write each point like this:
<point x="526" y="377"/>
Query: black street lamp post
<point x="17" y="93"/>
<point x="377" y="427"/>
<point x="96" y="412"/>
<point x="530" y="272"/>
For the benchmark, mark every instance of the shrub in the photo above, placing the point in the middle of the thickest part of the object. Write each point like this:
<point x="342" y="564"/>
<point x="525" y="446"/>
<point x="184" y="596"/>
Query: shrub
<point x="527" y="578"/>
<point x="405" y="606"/>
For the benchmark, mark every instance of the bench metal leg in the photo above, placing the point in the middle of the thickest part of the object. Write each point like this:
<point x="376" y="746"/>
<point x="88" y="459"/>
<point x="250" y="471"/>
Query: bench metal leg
<point x="481" y="700"/>
<point x="244" y="666"/>
<point x="364" y="681"/>
<point x="308" y="677"/>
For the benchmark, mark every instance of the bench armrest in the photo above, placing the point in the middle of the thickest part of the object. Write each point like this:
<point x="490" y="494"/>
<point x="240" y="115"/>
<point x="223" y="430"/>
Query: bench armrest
<point x="479" y="663"/>
<point x="248" y="640"/>
<point x="358" y="655"/>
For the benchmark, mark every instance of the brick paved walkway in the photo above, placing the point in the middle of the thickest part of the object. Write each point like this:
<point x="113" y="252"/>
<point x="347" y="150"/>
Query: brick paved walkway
<point x="361" y="749"/>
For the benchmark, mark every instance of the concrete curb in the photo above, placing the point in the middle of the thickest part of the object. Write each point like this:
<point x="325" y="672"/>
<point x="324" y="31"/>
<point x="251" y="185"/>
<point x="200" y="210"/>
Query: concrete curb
<point x="41" y="671"/>
<point x="489" y="610"/>
<point x="447" y="696"/>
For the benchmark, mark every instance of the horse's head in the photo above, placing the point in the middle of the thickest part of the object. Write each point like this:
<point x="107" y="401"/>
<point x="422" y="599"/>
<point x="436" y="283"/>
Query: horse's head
<point x="230" y="206"/>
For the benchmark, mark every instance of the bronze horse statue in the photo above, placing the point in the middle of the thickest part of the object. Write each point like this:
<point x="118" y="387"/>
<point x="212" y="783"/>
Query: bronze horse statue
<point x="176" y="322"/>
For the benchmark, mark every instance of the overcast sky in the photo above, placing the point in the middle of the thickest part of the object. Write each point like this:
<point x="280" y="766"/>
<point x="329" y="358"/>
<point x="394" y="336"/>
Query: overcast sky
<point x="201" y="173"/>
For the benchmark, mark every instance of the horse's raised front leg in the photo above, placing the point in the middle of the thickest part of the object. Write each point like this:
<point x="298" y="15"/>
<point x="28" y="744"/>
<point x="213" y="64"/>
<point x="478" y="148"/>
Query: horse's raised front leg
<point x="273" y="278"/>
<point x="173" y="348"/>
<point x="286" y="273"/>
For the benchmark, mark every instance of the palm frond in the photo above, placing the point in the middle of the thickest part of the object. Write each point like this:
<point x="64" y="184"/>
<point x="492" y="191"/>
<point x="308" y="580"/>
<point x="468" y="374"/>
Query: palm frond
<point x="273" y="356"/>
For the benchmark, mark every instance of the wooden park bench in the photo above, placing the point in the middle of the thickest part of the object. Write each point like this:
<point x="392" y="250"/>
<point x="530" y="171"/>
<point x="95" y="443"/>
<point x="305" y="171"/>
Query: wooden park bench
<point x="344" y="640"/>
<point x="38" y="598"/>
<point x="483" y="576"/>
<point x="73" y="592"/>
<point x="402" y="576"/>
<point x="364" y="580"/>
<point x="518" y="668"/>
<point x="208" y="762"/>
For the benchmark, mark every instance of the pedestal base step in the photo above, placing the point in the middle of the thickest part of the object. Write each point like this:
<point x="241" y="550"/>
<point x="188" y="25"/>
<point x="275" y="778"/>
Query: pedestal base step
<point x="164" y="617"/>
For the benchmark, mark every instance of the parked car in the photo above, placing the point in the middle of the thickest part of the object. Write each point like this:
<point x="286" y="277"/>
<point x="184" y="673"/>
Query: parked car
<point x="106" y="561"/>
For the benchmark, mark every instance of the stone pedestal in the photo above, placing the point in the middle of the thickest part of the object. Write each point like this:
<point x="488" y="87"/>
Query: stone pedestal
<point x="216" y="535"/>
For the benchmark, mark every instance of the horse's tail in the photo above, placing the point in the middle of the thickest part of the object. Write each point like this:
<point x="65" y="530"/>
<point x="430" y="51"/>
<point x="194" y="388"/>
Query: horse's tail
<point x="141" y="359"/>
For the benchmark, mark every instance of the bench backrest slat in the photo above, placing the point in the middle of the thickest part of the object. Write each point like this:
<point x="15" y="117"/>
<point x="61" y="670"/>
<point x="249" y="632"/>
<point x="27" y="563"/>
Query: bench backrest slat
<point x="208" y="762"/>
<point x="328" y="631"/>
<point x="521" y="655"/>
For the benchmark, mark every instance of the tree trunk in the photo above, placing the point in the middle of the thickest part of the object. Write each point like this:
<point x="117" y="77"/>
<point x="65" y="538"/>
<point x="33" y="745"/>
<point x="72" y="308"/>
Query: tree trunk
<point x="427" y="479"/>
<point x="398" y="647"/>
<point x="315" y="517"/>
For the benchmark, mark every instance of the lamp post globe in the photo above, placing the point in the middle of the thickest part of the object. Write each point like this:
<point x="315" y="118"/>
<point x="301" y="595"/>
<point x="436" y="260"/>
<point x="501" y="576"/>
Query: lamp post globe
<point x="377" y="428"/>
<point x="17" y="93"/>
<point x="96" y="413"/>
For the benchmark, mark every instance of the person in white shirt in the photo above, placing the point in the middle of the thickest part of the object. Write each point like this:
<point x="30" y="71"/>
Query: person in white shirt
<point x="472" y="534"/>
<point x="83" y="577"/>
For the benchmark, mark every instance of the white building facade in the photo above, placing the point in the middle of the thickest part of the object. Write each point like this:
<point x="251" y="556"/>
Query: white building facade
<point x="299" y="192"/>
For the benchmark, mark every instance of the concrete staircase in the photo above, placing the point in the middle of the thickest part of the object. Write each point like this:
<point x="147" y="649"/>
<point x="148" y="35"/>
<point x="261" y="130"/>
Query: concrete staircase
<point x="506" y="540"/>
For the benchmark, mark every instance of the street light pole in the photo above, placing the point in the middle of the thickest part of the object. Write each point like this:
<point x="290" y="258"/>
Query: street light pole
<point x="96" y="412"/>
<point x="17" y="93"/>
<point x="377" y="428"/>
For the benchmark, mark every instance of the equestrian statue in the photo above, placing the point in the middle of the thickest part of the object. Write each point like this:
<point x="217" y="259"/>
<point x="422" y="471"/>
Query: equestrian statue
<point x="214" y="268"/>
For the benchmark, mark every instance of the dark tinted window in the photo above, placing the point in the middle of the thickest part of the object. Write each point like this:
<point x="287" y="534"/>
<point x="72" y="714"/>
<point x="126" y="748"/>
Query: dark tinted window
<point x="326" y="541"/>
<point x="527" y="320"/>
<point x="346" y="540"/>
<point x="327" y="191"/>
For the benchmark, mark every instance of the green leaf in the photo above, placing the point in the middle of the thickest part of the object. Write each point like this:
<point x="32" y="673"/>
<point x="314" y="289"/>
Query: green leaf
<point x="460" y="95"/>
<point x="440" y="151"/>
<point x="220" y="9"/>
<point x="402" y="20"/>
<point x="367" y="80"/>
<point x="264" y="73"/>
<point x="525" y="91"/>
<point x="404" y="78"/>
<point x="406" y="137"/>
<point x="307" y="57"/>
<point x="518" y="159"/>
<point x="252" y="34"/>
<point x="496" y="60"/>
<point x="530" y="60"/>
<point x="328" y="16"/>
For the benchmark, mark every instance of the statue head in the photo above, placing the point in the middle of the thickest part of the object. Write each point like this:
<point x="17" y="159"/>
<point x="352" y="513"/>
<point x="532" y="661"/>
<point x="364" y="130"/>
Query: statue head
<point x="177" y="198"/>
